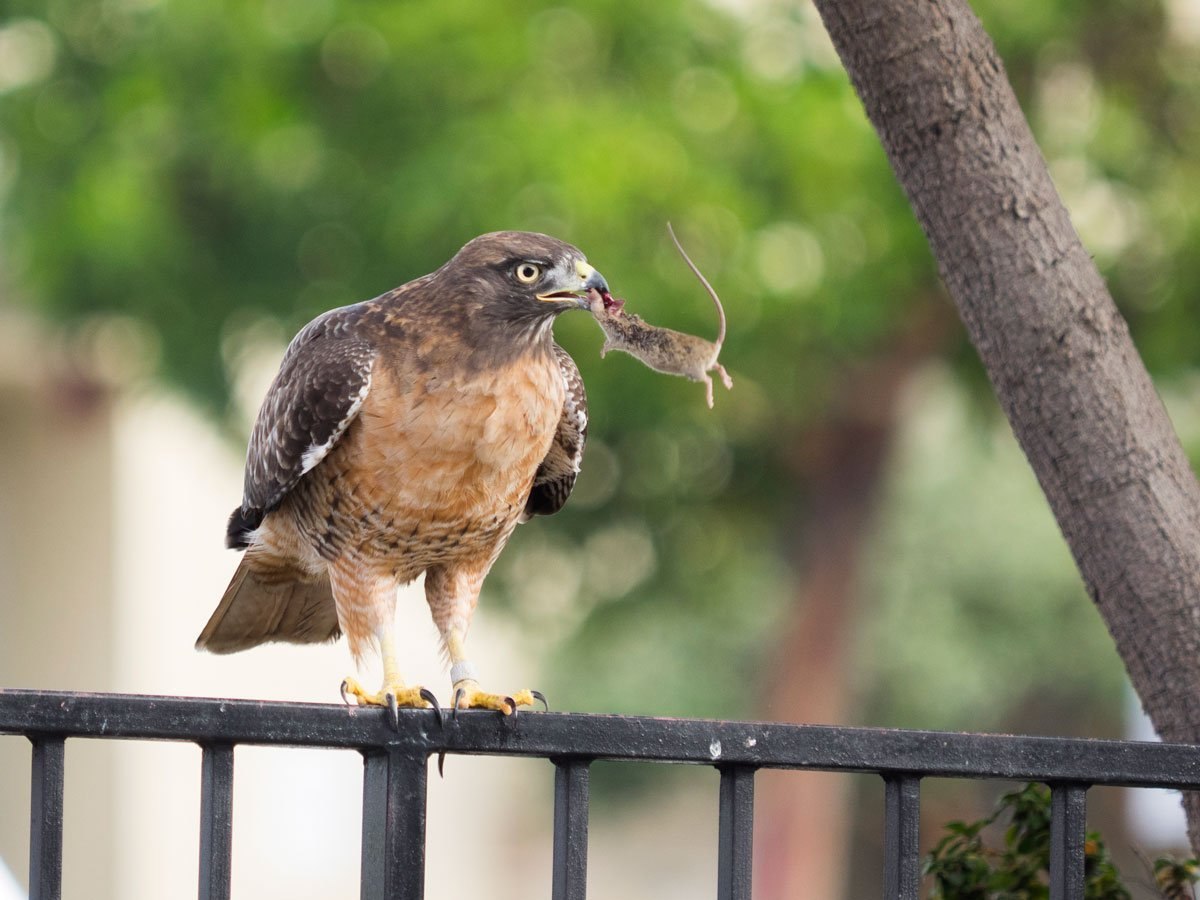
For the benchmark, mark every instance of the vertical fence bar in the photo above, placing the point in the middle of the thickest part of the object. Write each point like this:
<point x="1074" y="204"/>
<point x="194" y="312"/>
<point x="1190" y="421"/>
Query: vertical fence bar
<point x="1068" y="832"/>
<point x="46" y="818"/>
<point x="569" y="880"/>
<point x="216" y="821"/>
<point x="393" y="834"/>
<point x="735" y="838"/>
<point x="901" y="837"/>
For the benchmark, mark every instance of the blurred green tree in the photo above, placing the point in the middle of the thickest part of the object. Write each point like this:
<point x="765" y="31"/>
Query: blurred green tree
<point x="208" y="167"/>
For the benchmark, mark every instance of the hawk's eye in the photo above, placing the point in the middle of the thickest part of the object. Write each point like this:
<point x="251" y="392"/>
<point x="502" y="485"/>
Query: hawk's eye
<point x="527" y="272"/>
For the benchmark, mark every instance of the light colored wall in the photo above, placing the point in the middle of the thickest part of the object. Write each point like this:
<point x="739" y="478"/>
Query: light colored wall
<point x="56" y="598"/>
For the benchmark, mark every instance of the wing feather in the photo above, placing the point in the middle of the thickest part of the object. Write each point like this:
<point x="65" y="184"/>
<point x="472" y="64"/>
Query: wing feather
<point x="555" y="478"/>
<point x="322" y="382"/>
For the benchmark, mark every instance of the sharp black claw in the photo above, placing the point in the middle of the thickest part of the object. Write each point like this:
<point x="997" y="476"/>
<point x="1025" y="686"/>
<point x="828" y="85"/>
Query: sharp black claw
<point x="541" y="698"/>
<point x="345" y="693"/>
<point x="427" y="696"/>
<point x="458" y="695"/>
<point x="395" y="708"/>
<point x="512" y="705"/>
<point x="441" y="763"/>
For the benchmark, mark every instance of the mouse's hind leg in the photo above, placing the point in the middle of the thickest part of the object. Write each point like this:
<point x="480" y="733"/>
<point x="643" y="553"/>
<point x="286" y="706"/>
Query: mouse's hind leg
<point x="725" y="379"/>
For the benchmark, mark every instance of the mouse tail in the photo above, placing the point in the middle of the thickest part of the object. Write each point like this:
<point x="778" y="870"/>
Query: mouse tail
<point x="707" y="287"/>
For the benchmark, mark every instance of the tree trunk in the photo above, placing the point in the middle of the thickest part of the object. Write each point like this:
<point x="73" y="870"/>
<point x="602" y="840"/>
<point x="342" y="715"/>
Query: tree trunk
<point x="804" y="817"/>
<point x="1057" y="352"/>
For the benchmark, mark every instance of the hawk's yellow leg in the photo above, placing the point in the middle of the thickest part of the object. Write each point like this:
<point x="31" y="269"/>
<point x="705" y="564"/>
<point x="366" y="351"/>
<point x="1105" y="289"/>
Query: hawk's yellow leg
<point x="394" y="692"/>
<point x="467" y="694"/>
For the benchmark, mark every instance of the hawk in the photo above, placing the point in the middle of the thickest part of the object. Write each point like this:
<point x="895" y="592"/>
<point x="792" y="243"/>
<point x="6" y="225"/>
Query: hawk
<point x="409" y="435"/>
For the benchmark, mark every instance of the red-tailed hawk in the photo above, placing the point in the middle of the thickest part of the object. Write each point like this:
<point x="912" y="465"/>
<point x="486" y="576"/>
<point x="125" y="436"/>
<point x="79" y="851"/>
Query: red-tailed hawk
<point x="409" y="435"/>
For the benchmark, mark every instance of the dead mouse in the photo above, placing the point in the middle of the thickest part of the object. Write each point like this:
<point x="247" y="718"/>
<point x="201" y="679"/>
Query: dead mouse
<point x="663" y="349"/>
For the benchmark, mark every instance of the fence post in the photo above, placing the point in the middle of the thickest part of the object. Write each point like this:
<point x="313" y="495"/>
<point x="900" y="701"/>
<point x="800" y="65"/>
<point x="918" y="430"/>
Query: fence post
<point x="393" y="833"/>
<point x="901" y="848"/>
<point x="46" y="818"/>
<point x="216" y="821"/>
<point x="569" y="881"/>
<point x="735" y="836"/>
<point x="1068" y="832"/>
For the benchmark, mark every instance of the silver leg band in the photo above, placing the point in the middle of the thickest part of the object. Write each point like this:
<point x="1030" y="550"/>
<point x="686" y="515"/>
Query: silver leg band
<point x="462" y="671"/>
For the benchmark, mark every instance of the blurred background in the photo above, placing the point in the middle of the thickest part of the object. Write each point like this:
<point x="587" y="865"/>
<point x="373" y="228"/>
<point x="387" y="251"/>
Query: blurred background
<point x="850" y="537"/>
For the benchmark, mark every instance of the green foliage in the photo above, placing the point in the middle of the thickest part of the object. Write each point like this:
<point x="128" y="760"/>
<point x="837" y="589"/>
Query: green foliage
<point x="968" y="558"/>
<point x="1176" y="878"/>
<point x="207" y="167"/>
<point x="217" y="169"/>
<point x="963" y="867"/>
<point x="201" y="164"/>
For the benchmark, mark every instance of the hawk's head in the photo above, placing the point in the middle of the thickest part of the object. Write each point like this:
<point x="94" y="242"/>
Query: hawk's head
<point x="520" y="279"/>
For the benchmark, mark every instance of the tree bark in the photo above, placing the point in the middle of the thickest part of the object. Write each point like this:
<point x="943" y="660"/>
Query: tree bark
<point x="804" y="821"/>
<point x="1058" y="353"/>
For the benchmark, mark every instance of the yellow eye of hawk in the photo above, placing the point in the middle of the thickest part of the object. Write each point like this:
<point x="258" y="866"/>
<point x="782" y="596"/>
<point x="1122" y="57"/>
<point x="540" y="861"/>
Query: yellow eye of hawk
<point x="527" y="272"/>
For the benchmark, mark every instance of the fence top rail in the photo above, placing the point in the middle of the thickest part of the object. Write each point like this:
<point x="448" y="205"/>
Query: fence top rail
<point x="589" y="736"/>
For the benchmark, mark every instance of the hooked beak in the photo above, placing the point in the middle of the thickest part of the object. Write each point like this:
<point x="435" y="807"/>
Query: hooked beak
<point x="585" y="280"/>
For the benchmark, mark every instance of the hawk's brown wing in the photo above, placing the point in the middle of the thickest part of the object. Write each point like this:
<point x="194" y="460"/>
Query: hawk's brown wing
<point x="322" y="382"/>
<point x="556" y="475"/>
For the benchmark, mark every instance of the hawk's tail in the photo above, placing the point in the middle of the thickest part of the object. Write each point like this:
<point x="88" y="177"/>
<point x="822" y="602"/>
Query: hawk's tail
<point x="270" y="605"/>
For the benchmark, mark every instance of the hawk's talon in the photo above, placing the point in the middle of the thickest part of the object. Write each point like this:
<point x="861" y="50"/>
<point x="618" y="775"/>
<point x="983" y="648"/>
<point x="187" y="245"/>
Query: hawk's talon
<point x="428" y="697"/>
<point x="392" y="696"/>
<point x="345" y="689"/>
<point x="468" y="696"/>
<point x="541" y="698"/>
<point x="459" y="694"/>
<point x="441" y="763"/>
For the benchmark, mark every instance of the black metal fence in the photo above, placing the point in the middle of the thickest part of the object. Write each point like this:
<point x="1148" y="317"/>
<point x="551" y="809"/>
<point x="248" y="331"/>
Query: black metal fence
<point x="396" y="760"/>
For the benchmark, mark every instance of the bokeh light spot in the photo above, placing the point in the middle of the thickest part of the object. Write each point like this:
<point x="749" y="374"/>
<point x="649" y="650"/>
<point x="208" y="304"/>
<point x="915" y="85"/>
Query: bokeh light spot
<point x="289" y="158"/>
<point x="790" y="260"/>
<point x="773" y="49"/>
<point x="599" y="477"/>
<point x="618" y="559"/>
<point x="27" y="53"/>
<point x="1068" y="104"/>
<point x="563" y="38"/>
<point x="296" y="21"/>
<point x="704" y="100"/>
<point x="550" y="579"/>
